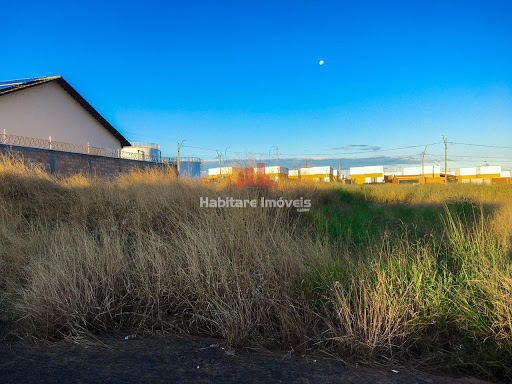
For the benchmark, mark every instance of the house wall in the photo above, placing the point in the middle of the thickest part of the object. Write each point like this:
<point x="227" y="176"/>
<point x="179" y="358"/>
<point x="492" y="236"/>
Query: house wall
<point x="66" y="163"/>
<point x="48" y="110"/>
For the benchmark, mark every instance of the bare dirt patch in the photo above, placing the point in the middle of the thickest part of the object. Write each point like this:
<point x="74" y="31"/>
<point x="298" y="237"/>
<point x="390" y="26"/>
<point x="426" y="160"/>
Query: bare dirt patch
<point x="185" y="359"/>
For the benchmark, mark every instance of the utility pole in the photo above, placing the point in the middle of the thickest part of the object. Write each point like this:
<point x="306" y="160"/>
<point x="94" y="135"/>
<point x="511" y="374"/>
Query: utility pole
<point x="220" y="164"/>
<point x="339" y="172"/>
<point x="445" y="159"/>
<point x="277" y="156"/>
<point x="423" y="163"/>
<point x="178" y="163"/>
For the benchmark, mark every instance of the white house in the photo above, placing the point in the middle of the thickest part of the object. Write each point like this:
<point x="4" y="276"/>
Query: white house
<point x="50" y="107"/>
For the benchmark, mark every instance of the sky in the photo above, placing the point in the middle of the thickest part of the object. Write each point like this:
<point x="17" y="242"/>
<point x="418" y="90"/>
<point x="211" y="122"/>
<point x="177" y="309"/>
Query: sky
<point x="243" y="77"/>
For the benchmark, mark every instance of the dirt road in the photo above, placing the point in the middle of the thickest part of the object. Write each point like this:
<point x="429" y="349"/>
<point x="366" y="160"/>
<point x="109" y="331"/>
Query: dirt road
<point x="175" y="359"/>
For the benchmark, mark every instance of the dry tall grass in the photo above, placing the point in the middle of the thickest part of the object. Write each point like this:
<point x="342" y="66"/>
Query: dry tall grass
<point x="378" y="273"/>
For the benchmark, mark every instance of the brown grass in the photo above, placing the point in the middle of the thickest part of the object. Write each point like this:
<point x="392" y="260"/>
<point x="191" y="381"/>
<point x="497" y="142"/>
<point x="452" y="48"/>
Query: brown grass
<point x="83" y="256"/>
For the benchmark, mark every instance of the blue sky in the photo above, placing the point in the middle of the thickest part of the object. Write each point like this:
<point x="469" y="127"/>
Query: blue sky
<point x="245" y="75"/>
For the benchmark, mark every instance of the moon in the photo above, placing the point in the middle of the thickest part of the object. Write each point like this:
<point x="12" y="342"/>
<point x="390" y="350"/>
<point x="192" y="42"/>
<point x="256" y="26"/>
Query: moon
<point x="321" y="62"/>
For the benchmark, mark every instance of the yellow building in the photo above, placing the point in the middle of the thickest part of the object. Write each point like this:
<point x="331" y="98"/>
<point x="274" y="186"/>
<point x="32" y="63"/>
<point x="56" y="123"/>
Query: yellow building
<point x="420" y="175"/>
<point x="337" y="176"/>
<point x="367" y="175"/>
<point x="274" y="173"/>
<point x="225" y="173"/>
<point x="478" y="175"/>
<point x="294" y="174"/>
<point x="323" y="174"/>
<point x="489" y="172"/>
<point x="418" y="180"/>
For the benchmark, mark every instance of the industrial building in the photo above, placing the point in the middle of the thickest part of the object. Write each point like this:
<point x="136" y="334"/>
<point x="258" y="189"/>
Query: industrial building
<point x="489" y="172"/>
<point x="274" y="173"/>
<point x="294" y="174"/>
<point x="466" y="173"/>
<point x="143" y="151"/>
<point x="225" y="172"/>
<point x="427" y="174"/>
<point x="190" y="167"/>
<point x="323" y="174"/>
<point x="479" y="175"/>
<point x="337" y="175"/>
<point x="367" y="175"/>
<point x="390" y="176"/>
<point x="427" y="170"/>
<point x="374" y="174"/>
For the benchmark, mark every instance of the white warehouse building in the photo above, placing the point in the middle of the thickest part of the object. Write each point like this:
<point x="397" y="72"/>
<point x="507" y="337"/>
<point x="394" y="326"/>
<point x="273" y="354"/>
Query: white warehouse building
<point x="368" y="174"/>
<point x="427" y="170"/>
<point x="47" y="107"/>
<point x="324" y="174"/>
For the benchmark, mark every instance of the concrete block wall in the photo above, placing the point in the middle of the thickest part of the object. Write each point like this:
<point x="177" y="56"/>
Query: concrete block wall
<point x="67" y="163"/>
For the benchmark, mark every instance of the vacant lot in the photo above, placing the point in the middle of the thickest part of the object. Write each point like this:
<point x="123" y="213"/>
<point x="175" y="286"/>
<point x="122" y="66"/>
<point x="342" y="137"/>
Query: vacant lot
<point x="380" y="274"/>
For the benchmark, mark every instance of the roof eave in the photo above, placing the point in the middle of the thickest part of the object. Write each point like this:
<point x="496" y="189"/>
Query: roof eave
<point x="75" y="95"/>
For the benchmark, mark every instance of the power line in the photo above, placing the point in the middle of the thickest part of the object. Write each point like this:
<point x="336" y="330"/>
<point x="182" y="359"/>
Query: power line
<point x="337" y="155"/>
<point x="318" y="154"/>
<point x="480" y="145"/>
<point x="472" y="157"/>
<point x="357" y="152"/>
<point x="432" y="159"/>
<point x="204" y="149"/>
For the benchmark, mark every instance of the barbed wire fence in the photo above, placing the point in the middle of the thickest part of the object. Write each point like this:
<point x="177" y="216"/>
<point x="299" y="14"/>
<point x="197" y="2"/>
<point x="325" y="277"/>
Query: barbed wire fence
<point x="49" y="144"/>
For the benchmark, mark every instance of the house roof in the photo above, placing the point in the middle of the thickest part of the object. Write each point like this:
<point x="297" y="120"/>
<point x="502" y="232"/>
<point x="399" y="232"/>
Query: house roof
<point x="11" y="86"/>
